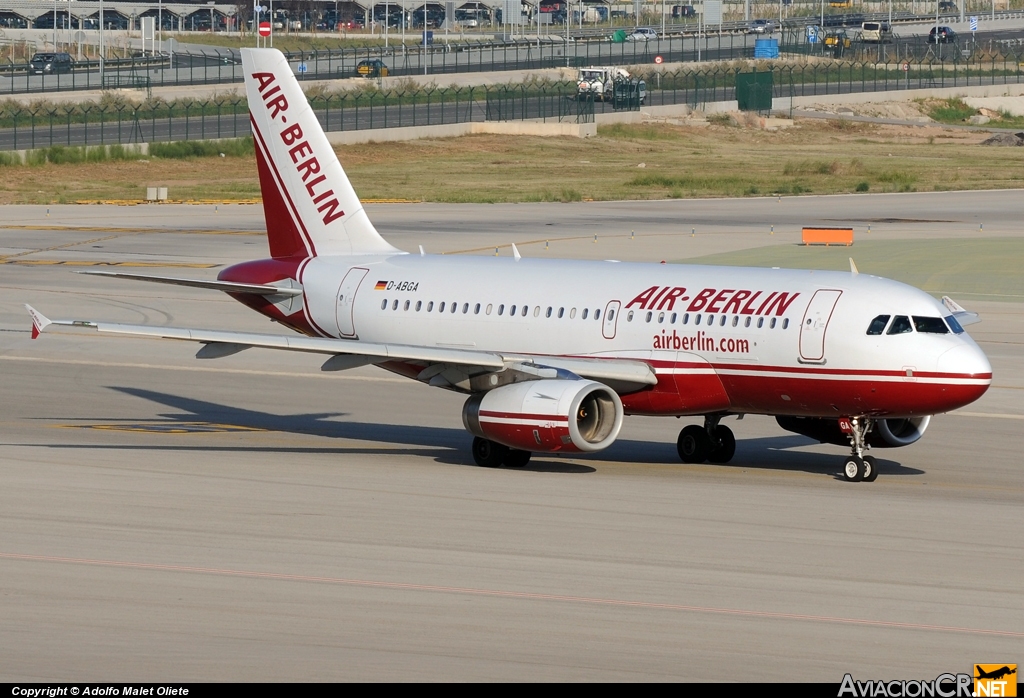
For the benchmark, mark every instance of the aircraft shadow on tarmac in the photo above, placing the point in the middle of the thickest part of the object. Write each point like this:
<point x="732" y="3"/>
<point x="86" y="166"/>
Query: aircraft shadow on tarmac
<point x="450" y="446"/>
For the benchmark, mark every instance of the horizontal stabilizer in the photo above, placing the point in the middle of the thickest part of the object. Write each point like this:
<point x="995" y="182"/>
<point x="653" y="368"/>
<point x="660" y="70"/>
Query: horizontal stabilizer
<point x="225" y="286"/>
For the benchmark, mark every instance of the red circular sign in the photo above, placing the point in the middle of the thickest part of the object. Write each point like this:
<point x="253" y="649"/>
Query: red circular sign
<point x="658" y="59"/>
<point x="906" y="67"/>
<point x="264" y="28"/>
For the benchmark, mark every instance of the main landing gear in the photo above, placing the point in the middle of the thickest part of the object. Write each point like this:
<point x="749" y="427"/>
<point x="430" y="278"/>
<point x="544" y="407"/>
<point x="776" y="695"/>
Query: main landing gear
<point x="712" y="442"/>
<point x="859" y="467"/>
<point x="491" y="454"/>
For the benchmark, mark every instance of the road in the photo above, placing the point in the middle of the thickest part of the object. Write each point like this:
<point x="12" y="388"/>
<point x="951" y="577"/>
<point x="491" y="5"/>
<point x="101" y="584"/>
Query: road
<point x="252" y="518"/>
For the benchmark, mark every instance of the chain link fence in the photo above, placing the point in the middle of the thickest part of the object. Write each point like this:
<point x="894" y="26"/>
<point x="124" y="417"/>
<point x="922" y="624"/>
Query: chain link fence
<point x="41" y="125"/>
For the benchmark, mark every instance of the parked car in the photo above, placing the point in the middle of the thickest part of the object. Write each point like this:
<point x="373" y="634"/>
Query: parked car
<point x="941" y="35"/>
<point x="372" y="68"/>
<point x="761" y="26"/>
<point x="43" y="63"/>
<point x="642" y="34"/>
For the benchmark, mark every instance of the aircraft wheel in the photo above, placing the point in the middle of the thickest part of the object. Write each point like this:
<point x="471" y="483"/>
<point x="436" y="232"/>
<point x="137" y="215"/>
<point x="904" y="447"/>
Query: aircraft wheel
<point x="693" y="444"/>
<point x="516" y="458"/>
<point x="853" y="470"/>
<point x="725" y="449"/>
<point x="487" y="453"/>
<point x="870" y="469"/>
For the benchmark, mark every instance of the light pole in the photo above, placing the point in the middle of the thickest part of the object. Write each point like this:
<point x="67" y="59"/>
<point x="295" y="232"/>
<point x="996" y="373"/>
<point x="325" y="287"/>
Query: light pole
<point x="102" y="52"/>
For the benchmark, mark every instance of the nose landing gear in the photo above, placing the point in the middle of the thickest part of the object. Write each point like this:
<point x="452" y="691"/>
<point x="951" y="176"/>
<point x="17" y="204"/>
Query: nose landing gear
<point x="859" y="467"/>
<point x="712" y="442"/>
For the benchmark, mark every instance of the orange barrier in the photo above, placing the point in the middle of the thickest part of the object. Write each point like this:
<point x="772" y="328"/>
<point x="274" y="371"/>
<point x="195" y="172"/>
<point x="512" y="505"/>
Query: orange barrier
<point x="828" y="236"/>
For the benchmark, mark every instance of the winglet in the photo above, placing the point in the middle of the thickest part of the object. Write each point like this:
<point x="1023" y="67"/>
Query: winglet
<point x="39" y="321"/>
<point x="515" y="252"/>
<point x="853" y="267"/>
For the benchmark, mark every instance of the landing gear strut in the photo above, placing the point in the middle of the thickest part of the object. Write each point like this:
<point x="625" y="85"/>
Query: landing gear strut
<point x="712" y="442"/>
<point x="491" y="454"/>
<point x="859" y="467"/>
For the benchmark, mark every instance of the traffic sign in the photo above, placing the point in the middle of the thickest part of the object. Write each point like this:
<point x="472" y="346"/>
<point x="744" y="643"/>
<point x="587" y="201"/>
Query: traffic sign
<point x="658" y="60"/>
<point x="301" y="68"/>
<point x="974" y="23"/>
<point x="906" y="67"/>
<point x="264" y="28"/>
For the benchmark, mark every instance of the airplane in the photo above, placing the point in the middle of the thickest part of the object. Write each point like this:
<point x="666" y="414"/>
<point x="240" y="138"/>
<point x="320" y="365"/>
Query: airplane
<point x="996" y="674"/>
<point x="552" y="354"/>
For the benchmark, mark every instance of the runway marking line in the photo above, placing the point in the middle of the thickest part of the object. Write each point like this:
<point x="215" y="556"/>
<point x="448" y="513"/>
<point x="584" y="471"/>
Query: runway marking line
<point x="508" y="594"/>
<point x="165" y="427"/>
<point x="84" y="263"/>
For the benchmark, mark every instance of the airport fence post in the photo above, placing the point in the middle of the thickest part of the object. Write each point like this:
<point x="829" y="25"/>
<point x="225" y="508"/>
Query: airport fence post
<point x="85" y="124"/>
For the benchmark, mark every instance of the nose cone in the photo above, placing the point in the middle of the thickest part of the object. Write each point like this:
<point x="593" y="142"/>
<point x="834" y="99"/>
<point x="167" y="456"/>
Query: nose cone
<point x="966" y="361"/>
<point x="969" y="374"/>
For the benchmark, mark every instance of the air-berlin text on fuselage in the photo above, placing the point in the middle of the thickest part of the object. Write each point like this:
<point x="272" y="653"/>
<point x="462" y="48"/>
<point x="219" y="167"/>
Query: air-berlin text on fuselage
<point x="700" y="342"/>
<point x="713" y="300"/>
<point x="326" y="201"/>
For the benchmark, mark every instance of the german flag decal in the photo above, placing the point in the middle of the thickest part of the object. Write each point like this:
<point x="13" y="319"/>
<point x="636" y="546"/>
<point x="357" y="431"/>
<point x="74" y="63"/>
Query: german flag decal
<point x="381" y="286"/>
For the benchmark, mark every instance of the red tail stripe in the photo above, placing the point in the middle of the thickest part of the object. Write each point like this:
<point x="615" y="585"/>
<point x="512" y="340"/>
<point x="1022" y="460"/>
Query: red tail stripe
<point x="310" y="247"/>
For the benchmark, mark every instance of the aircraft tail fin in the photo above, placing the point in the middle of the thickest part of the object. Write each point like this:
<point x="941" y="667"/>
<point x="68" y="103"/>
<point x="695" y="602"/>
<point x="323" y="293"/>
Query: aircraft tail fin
<point x="310" y="206"/>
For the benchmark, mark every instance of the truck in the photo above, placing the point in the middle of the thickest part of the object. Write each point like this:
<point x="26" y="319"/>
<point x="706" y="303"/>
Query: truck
<point x="599" y="82"/>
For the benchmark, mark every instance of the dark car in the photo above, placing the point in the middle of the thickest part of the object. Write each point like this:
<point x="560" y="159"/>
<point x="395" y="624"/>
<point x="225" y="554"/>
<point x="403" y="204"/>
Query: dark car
<point x="683" y="11"/>
<point x="43" y="63"/>
<point x="941" y="35"/>
<point x="372" y="68"/>
<point x="948" y="7"/>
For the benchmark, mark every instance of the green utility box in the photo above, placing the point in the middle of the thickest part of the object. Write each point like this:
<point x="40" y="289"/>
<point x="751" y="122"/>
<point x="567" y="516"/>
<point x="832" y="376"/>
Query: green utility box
<point x="754" y="91"/>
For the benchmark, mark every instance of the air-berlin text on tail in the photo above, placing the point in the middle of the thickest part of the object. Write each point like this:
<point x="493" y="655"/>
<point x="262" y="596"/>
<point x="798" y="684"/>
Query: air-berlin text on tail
<point x="277" y="106"/>
<point x="713" y="300"/>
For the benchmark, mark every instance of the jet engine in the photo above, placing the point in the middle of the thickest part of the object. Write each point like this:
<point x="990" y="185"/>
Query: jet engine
<point x="887" y="433"/>
<point x="546" y="415"/>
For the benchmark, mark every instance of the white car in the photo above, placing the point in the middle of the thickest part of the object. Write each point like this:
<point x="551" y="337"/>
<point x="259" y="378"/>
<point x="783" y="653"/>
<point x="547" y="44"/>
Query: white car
<point x="642" y="34"/>
<point x="761" y="26"/>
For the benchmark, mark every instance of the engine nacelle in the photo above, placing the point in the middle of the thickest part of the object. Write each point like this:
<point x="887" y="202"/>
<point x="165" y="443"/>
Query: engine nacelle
<point x="546" y="415"/>
<point x="887" y="433"/>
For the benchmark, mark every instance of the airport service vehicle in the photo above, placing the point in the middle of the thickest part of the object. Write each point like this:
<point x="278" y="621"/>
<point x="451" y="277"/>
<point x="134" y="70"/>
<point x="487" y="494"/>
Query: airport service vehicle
<point x="552" y="354"/>
<point x="599" y="82"/>
<point x="876" y="32"/>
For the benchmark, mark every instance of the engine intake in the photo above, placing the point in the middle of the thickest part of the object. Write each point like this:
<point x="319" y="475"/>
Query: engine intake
<point x="547" y="415"/>
<point x="887" y="433"/>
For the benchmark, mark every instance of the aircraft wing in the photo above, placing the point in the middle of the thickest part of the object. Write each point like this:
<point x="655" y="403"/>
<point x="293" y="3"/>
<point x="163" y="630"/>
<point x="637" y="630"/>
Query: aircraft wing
<point x="621" y="374"/>
<point x="962" y="315"/>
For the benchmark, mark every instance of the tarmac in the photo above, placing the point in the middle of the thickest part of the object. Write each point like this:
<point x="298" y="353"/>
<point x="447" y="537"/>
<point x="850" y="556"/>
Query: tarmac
<point x="251" y="518"/>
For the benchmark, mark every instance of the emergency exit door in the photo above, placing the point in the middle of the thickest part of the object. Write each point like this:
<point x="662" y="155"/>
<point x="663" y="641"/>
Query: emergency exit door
<point x="346" y="301"/>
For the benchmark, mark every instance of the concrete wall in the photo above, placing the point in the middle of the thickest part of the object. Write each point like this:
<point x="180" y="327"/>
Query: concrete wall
<point x="510" y="128"/>
<point x="784" y="103"/>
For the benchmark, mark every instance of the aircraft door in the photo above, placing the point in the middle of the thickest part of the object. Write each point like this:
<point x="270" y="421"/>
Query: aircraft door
<point x="814" y="324"/>
<point x="346" y="300"/>
<point x="611" y="319"/>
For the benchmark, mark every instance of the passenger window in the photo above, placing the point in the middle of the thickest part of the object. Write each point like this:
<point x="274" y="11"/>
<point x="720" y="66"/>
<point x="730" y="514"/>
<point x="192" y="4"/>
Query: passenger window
<point x="476" y="309"/>
<point x="696" y="319"/>
<point x="771" y="324"/>
<point x="430" y="306"/>
<point x="746" y="323"/>
<point x="536" y="311"/>
<point x="561" y="312"/>
<point x="711" y="320"/>
<point x="584" y="316"/>
<point x="394" y="306"/>
<point x="931" y="325"/>
<point x="686" y="318"/>
<point x="649" y="314"/>
<point x="672" y="320"/>
<point x="547" y="313"/>
<point x="465" y="308"/>
<point x="489" y="306"/>
<point x="760" y="322"/>
<point x="501" y="309"/>
<point x="597" y="314"/>
<point x="611" y="315"/>
<point x="384" y="305"/>
<point x="721" y="322"/>
<point x="455" y="306"/>
<point x="661" y="318"/>
<point x="512" y="311"/>
<point x="407" y="304"/>
<point x="954" y="325"/>
<point x="629" y="316"/>
<point x="572" y="313"/>
<point x="877" y="325"/>
<point x="440" y="308"/>
<point x="419" y="304"/>
<point x="735" y="320"/>
<point x="900" y="325"/>
<point x="785" y="324"/>
<point x="525" y="310"/>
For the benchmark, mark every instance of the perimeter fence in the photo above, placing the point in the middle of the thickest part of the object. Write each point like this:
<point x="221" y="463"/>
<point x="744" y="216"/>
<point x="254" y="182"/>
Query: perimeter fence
<point x="96" y="123"/>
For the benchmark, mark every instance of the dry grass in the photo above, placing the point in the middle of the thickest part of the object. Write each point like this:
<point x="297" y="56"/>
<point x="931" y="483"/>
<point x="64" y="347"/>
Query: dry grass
<point x="676" y="161"/>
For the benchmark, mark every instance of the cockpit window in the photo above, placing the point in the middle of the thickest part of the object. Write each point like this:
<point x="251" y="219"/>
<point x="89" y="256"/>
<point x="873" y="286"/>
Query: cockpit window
<point x="954" y="325"/>
<point x="900" y="325"/>
<point x="932" y="325"/>
<point x="877" y="325"/>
